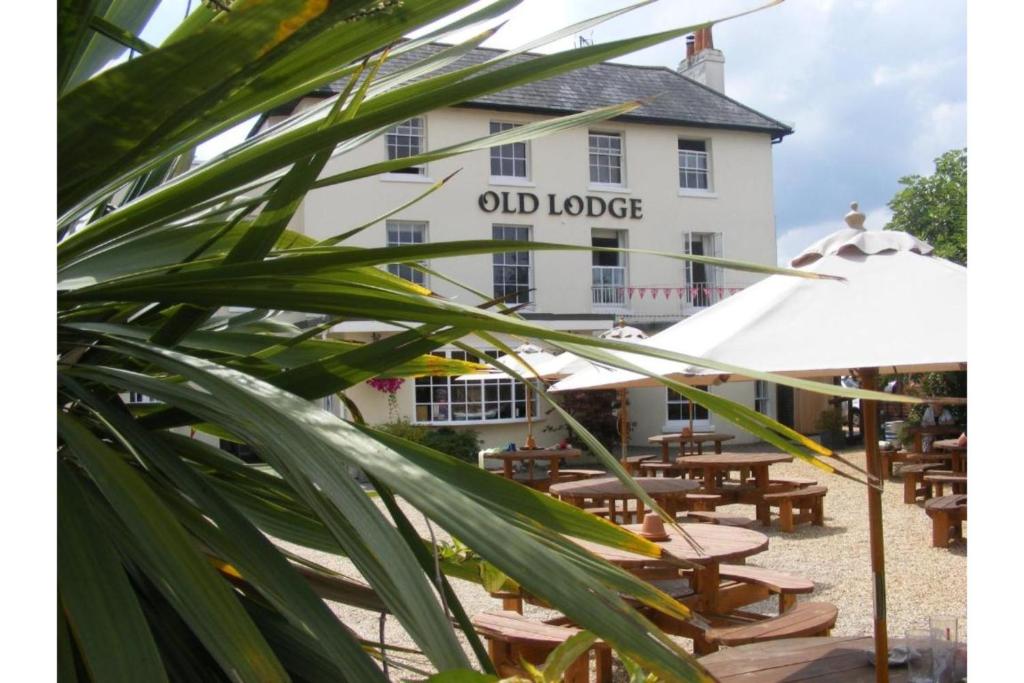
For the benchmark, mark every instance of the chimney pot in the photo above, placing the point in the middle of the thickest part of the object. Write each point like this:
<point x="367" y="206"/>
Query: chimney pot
<point x="703" y="62"/>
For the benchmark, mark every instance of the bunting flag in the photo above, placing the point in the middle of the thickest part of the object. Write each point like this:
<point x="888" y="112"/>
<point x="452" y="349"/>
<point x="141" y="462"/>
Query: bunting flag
<point x="697" y="293"/>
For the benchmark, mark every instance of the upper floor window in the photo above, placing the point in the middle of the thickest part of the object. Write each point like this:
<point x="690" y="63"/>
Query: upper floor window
<point x="407" y="139"/>
<point x="694" y="169"/>
<point x="606" y="158"/>
<point x="401" y="233"/>
<point x="513" y="273"/>
<point x="679" y="408"/>
<point x="508" y="161"/>
<point x="704" y="283"/>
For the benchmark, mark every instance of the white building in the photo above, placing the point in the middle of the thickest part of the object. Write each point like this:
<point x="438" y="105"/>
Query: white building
<point x="691" y="171"/>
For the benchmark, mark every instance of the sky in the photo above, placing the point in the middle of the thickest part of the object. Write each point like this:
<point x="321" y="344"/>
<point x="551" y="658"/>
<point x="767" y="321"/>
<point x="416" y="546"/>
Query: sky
<point x="875" y="89"/>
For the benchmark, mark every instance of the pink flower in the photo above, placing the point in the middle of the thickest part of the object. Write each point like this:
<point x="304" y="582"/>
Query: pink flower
<point x="387" y="385"/>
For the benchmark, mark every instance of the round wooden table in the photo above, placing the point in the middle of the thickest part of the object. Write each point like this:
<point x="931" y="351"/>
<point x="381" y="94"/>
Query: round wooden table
<point x="715" y="544"/>
<point x="836" y="660"/>
<point x="716" y="467"/>
<point x="553" y="456"/>
<point x="957" y="452"/>
<point x="670" y="494"/>
<point x="697" y="439"/>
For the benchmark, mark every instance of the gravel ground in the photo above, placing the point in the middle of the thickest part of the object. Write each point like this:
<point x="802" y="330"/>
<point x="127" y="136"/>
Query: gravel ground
<point x="921" y="580"/>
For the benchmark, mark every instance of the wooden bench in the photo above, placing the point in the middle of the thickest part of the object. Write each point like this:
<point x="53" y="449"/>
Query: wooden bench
<point x="577" y="474"/>
<point x="786" y="586"/>
<point x="937" y="481"/>
<point x="948" y="514"/>
<point x="913" y="475"/>
<point x="666" y="469"/>
<point x="790" y="482"/>
<point x="512" y="638"/>
<point x="711" y="517"/>
<point x="808" y="504"/>
<point x="704" y="502"/>
<point x="805" y="619"/>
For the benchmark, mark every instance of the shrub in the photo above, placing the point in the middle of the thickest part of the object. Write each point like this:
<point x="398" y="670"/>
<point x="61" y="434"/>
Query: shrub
<point x="458" y="443"/>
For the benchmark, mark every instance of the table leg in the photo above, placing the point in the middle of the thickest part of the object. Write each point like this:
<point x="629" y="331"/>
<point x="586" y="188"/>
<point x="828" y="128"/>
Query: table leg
<point x="706" y="580"/>
<point x="764" y="511"/>
<point x="639" y="510"/>
<point x="506" y="468"/>
<point x="709" y="480"/>
<point x="553" y="471"/>
<point x="664" y="451"/>
<point x="700" y="448"/>
<point x="718" y="447"/>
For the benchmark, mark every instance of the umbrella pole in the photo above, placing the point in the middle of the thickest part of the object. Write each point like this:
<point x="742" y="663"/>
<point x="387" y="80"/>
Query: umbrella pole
<point x="530" y="443"/>
<point x="869" y="422"/>
<point x="623" y="424"/>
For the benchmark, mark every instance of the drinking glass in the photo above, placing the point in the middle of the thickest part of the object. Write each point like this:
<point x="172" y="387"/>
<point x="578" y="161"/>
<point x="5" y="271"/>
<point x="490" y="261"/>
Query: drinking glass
<point x="944" y="644"/>
<point x="947" y="627"/>
<point x="919" y="655"/>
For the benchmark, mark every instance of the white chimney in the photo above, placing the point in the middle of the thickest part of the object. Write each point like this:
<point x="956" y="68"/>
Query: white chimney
<point x="703" y="62"/>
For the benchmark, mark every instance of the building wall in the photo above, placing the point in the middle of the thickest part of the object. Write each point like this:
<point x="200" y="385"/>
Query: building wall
<point x="739" y="207"/>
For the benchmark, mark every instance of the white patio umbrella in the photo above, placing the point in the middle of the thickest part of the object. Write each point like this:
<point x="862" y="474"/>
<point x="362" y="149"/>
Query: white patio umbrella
<point x="567" y="363"/>
<point x="525" y="362"/>
<point x="812" y="328"/>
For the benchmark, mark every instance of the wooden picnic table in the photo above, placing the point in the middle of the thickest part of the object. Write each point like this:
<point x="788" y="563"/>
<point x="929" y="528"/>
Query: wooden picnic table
<point x="697" y="439"/>
<point x="715" y="545"/>
<point x="835" y="660"/>
<point x="553" y="456"/>
<point x="670" y="494"/>
<point x="957" y="453"/>
<point x="716" y="468"/>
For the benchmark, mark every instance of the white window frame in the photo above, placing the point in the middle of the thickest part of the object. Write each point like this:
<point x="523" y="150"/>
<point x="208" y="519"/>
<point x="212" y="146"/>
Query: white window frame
<point x="700" y="424"/>
<point x="762" y="397"/>
<point x="713" y="242"/>
<point x="400" y="269"/>
<point x="500" y="178"/>
<point x="405" y="129"/>
<point x="688" y="161"/>
<point x="623" y="242"/>
<point x="502" y="256"/>
<point x="596" y="135"/>
<point x="507" y="395"/>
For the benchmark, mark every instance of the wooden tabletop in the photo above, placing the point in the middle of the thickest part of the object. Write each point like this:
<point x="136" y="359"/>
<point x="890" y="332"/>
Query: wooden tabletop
<point x="836" y="660"/>
<point x="949" y="445"/>
<point x="611" y="487"/>
<point x="734" y="459"/>
<point x="696" y="436"/>
<point x="537" y="454"/>
<point x="717" y="543"/>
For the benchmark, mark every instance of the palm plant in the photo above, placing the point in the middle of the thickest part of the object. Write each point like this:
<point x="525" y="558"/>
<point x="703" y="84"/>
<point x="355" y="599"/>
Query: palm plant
<point x="184" y="284"/>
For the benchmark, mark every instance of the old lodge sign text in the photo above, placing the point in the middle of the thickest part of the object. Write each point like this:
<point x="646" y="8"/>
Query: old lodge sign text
<point x="573" y="205"/>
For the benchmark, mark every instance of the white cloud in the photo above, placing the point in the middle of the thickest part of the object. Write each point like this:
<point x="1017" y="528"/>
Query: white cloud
<point x="900" y="74"/>
<point x="942" y="128"/>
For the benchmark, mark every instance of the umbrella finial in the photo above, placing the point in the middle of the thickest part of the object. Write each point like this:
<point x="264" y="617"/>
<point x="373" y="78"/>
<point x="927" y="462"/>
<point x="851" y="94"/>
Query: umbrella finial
<point x="855" y="219"/>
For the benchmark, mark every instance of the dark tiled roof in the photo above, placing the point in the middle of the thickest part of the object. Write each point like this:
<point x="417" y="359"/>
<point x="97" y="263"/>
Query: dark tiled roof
<point x="679" y="101"/>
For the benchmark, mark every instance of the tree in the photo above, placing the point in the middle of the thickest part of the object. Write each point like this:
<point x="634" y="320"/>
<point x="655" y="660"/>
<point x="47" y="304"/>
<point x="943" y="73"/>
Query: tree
<point x="934" y="208"/>
<point x="171" y="282"/>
